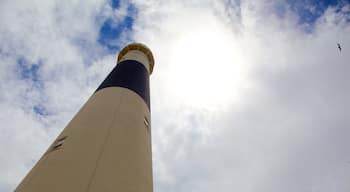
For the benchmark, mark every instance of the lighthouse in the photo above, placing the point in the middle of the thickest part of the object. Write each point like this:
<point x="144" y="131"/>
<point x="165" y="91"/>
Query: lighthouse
<point x="107" y="145"/>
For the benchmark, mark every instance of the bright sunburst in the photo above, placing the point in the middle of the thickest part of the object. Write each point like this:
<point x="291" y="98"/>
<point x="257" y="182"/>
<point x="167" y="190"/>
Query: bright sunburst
<point x="208" y="68"/>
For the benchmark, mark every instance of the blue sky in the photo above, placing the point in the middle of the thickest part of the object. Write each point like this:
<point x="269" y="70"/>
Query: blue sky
<point x="110" y="30"/>
<point x="310" y="10"/>
<point x="245" y="95"/>
<point x="29" y="72"/>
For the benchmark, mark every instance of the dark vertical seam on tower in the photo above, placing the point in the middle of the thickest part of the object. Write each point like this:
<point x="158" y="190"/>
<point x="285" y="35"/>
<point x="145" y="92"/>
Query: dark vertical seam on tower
<point x="105" y="141"/>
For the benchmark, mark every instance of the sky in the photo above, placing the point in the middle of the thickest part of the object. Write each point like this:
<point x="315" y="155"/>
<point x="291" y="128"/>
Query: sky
<point x="245" y="95"/>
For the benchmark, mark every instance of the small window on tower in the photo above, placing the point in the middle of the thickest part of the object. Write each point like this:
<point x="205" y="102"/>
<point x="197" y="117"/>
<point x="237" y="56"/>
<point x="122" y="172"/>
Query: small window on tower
<point x="59" y="143"/>
<point x="145" y="121"/>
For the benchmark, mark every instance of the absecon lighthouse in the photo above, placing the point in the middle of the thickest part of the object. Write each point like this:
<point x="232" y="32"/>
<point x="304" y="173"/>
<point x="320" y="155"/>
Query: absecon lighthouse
<point x="107" y="145"/>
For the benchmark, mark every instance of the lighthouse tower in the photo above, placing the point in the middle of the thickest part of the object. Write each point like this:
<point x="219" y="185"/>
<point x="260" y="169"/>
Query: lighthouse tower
<point x="107" y="146"/>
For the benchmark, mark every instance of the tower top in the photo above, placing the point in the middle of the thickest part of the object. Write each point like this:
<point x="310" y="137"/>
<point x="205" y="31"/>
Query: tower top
<point x="140" y="47"/>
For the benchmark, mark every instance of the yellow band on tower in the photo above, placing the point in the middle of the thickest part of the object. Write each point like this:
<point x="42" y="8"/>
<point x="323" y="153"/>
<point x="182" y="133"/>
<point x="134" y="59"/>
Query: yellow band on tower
<point x="140" y="47"/>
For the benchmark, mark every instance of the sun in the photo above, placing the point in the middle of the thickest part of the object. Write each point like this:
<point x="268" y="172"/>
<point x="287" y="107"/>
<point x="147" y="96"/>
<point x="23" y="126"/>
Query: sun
<point x="207" y="69"/>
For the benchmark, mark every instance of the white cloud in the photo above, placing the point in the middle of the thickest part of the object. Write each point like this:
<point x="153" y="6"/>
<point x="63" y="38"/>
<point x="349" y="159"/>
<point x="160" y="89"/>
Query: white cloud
<point x="285" y="129"/>
<point x="243" y="98"/>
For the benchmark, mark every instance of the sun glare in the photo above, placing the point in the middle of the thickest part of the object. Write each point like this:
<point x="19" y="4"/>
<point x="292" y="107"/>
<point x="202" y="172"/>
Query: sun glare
<point x="207" y="69"/>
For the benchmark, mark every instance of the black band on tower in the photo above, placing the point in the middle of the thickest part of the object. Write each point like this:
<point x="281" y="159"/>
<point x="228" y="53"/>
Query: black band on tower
<point x="132" y="75"/>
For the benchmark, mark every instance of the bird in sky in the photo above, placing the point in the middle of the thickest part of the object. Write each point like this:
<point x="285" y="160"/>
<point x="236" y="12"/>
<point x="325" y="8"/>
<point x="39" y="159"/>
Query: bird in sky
<point x="339" y="47"/>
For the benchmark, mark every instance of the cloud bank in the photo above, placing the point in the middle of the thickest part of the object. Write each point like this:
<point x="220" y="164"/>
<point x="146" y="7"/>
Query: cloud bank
<point x="246" y="96"/>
